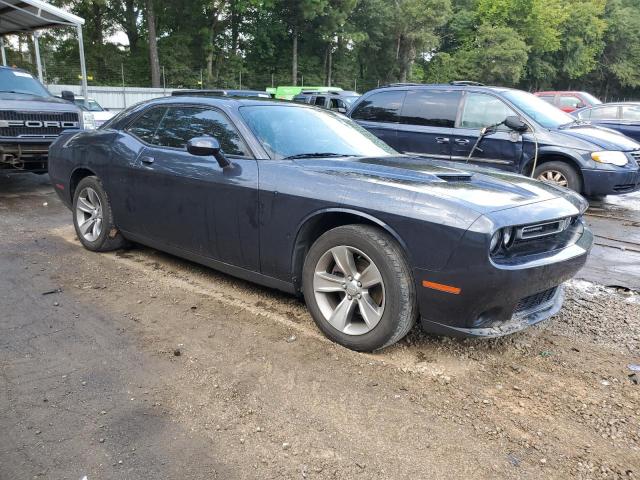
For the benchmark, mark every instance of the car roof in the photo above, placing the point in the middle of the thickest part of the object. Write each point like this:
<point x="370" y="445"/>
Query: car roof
<point x="15" y="69"/>
<point x="448" y="86"/>
<point x="220" y="100"/>
<point x="555" y="92"/>
<point x="610" y="104"/>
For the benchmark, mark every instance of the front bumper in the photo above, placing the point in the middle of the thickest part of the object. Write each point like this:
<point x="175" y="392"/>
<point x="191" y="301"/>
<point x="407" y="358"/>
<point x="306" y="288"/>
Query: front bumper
<point x="24" y="155"/>
<point x="610" y="182"/>
<point x="496" y="300"/>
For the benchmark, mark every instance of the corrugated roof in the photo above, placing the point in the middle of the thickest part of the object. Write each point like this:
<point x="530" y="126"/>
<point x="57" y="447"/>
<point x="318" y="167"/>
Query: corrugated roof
<point x="28" y="15"/>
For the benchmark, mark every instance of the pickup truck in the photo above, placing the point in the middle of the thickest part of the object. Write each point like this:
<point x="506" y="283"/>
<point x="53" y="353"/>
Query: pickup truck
<point x="31" y="119"/>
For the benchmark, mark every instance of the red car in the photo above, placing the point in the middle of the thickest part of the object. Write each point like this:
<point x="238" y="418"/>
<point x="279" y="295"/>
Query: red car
<point x="568" y="101"/>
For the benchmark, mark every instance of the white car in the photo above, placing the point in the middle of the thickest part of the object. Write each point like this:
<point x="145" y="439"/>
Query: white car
<point x="100" y="114"/>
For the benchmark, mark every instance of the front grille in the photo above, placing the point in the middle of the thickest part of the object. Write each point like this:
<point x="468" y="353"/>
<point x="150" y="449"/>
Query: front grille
<point x="532" y="301"/>
<point x="636" y="156"/>
<point x="528" y="232"/>
<point x="37" y="131"/>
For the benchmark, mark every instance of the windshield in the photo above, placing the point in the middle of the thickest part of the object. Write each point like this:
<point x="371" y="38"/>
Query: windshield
<point x="292" y="130"/>
<point x="350" y="100"/>
<point x="591" y="100"/>
<point x="15" y="81"/>
<point x="89" y="105"/>
<point x="538" y="110"/>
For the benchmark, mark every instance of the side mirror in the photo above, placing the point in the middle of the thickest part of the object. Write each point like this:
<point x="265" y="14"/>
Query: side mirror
<point x="68" y="95"/>
<point x="340" y="110"/>
<point x="207" y="146"/>
<point x="515" y="123"/>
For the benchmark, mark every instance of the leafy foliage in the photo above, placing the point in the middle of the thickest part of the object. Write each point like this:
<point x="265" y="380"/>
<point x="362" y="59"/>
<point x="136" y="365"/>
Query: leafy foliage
<point x="531" y="44"/>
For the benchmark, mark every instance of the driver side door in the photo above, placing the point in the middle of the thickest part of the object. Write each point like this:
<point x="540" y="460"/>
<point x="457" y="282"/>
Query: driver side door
<point x="501" y="149"/>
<point x="189" y="202"/>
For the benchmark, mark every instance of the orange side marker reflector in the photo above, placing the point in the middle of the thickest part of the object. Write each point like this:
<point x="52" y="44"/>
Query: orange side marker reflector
<point x="442" y="287"/>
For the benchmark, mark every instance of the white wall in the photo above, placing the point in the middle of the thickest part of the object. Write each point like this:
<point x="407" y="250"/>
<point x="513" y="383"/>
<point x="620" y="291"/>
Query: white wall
<point x="114" y="98"/>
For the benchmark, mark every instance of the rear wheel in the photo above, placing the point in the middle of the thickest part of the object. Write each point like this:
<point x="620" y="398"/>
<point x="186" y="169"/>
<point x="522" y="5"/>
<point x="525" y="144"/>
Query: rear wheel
<point x="559" y="173"/>
<point x="359" y="288"/>
<point x="93" y="218"/>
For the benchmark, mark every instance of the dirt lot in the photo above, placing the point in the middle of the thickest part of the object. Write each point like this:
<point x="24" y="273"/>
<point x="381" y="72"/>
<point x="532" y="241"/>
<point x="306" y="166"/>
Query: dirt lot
<point x="92" y="385"/>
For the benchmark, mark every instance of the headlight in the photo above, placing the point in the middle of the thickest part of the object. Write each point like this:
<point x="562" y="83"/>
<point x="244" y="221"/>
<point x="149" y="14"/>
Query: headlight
<point x="495" y="242"/>
<point x="507" y="237"/>
<point x="613" y="158"/>
<point x="88" y="121"/>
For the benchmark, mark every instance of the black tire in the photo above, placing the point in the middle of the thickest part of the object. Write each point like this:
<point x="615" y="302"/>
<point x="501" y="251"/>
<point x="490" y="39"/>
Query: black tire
<point x="400" y="307"/>
<point x="110" y="237"/>
<point x="574" y="181"/>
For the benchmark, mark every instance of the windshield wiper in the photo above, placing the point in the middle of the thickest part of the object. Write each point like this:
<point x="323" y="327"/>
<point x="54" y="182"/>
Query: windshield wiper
<point x="317" y="155"/>
<point x="22" y="92"/>
<point x="575" y="123"/>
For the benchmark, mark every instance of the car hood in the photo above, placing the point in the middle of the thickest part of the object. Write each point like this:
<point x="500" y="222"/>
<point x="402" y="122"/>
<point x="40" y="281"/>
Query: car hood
<point x="23" y="102"/>
<point x="479" y="189"/>
<point x="603" y="138"/>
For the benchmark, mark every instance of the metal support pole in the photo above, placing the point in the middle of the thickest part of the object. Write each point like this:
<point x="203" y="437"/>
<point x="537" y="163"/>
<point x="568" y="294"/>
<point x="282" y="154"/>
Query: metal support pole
<point x="83" y="67"/>
<point x="164" y="82"/>
<point x="4" y="55"/>
<point x="124" y="91"/>
<point x="36" y="47"/>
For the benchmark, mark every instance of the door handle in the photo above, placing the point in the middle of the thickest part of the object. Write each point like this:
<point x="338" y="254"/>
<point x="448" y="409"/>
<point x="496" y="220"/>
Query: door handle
<point x="146" y="159"/>
<point x="461" y="141"/>
<point x="442" y="140"/>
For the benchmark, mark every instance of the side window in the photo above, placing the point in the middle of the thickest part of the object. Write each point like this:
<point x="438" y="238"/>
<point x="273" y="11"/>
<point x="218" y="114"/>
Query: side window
<point x="482" y="110"/>
<point x="320" y="101"/>
<point x="336" y="103"/>
<point x="548" y="98"/>
<point x="570" y="101"/>
<point x="181" y="124"/>
<point x="604" y="113"/>
<point x="380" y="107"/>
<point x="144" y="127"/>
<point x="631" y="113"/>
<point x="585" y="114"/>
<point x="434" y="108"/>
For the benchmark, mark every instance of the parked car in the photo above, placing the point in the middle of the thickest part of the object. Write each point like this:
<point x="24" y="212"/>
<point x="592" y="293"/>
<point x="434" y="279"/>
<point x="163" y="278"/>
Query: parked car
<point x="287" y="92"/>
<point x="338" y="101"/>
<point x="568" y="101"/>
<point x="465" y="122"/>
<point x="303" y="200"/>
<point x="30" y="119"/>
<point x="623" y="117"/>
<point x="100" y="114"/>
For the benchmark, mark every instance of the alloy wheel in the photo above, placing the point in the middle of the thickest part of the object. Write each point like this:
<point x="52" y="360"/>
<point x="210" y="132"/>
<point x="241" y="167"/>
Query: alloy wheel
<point x="554" y="176"/>
<point x="89" y="214"/>
<point x="349" y="290"/>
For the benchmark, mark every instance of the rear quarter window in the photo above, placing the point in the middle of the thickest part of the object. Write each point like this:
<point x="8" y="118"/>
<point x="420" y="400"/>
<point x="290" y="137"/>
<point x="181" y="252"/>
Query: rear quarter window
<point x="144" y="127"/>
<point x="380" y="107"/>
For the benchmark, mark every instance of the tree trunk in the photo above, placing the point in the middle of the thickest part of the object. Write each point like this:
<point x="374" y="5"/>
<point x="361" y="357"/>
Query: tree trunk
<point x="235" y="27"/>
<point x="329" y="65"/>
<point x="294" y="58"/>
<point x="154" y="61"/>
<point x="324" y="64"/>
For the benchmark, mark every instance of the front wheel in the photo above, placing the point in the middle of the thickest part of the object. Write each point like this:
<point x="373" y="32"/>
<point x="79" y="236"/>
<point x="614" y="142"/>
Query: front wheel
<point x="559" y="173"/>
<point x="359" y="288"/>
<point x="93" y="218"/>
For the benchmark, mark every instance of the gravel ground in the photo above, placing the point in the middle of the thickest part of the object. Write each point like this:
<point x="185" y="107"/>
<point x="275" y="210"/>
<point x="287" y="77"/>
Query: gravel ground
<point x="147" y="366"/>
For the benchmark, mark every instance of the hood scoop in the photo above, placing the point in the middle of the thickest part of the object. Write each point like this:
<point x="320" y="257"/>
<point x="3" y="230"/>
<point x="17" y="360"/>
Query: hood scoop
<point x="455" y="177"/>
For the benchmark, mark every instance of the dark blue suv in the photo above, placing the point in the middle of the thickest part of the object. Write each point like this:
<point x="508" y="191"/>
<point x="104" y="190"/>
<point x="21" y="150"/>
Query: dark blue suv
<point x="465" y="122"/>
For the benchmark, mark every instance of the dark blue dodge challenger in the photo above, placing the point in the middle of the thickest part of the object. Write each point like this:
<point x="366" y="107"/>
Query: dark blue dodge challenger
<point x="304" y="200"/>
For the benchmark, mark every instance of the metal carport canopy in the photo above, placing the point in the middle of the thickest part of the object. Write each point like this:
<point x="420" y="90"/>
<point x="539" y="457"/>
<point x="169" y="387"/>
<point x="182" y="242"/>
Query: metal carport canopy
<point x="28" y="16"/>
